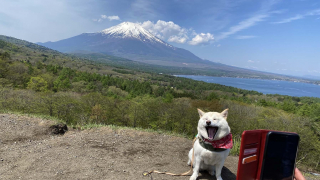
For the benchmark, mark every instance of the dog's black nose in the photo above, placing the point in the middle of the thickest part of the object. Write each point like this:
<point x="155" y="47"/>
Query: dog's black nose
<point x="208" y="122"/>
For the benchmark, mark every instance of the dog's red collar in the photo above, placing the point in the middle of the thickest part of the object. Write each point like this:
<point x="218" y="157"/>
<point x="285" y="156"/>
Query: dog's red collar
<point x="223" y="143"/>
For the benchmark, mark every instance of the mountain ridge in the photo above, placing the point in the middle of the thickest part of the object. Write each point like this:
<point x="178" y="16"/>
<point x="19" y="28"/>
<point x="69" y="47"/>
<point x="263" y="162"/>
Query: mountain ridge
<point x="132" y="30"/>
<point x="126" y="40"/>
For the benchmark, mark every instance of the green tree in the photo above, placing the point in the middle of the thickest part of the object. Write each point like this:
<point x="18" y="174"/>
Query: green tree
<point x="262" y="102"/>
<point x="304" y="110"/>
<point x="38" y="84"/>
<point x="39" y="65"/>
<point x="61" y="84"/>
<point x="212" y="96"/>
<point x="168" y="97"/>
<point x="5" y="56"/>
<point x="288" y="106"/>
<point x="3" y="68"/>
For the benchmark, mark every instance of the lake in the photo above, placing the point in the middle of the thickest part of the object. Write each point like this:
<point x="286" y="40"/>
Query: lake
<point x="263" y="86"/>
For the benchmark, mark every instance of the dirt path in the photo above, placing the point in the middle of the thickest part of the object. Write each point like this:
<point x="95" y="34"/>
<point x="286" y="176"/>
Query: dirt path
<point x="28" y="151"/>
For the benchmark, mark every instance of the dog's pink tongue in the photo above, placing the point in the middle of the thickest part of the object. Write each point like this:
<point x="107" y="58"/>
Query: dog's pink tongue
<point x="212" y="132"/>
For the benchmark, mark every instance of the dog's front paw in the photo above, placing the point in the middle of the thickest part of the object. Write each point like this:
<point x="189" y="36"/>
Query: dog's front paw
<point x="219" y="178"/>
<point x="193" y="177"/>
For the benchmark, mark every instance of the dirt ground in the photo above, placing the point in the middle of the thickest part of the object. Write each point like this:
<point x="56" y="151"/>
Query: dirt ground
<point x="29" y="151"/>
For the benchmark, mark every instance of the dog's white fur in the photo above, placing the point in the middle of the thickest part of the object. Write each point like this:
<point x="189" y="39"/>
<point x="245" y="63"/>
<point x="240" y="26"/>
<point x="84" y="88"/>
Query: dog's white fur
<point x="204" y="159"/>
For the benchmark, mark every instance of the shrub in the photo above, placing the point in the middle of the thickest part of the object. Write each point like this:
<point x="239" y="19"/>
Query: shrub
<point x="37" y="84"/>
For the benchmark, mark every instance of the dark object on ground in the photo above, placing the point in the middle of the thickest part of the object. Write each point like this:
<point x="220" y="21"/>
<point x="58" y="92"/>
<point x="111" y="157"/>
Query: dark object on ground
<point x="58" y="129"/>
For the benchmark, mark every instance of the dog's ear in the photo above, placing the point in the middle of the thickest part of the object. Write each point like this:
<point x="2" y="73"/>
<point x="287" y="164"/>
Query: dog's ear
<point x="225" y="113"/>
<point x="201" y="113"/>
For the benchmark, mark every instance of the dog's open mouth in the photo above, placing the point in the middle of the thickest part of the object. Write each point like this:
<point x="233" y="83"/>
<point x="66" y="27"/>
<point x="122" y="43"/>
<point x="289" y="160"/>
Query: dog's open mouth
<point x="212" y="131"/>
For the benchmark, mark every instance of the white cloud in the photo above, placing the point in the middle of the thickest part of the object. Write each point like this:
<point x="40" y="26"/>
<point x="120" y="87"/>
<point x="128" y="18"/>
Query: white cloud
<point x="171" y="32"/>
<point x="255" y="62"/>
<point x="299" y="16"/>
<point x="177" y="39"/>
<point x="218" y="45"/>
<point x="290" y="19"/>
<point x="243" y="25"/>
<point x="261" y="15"/>
<point x="111" y="18"/>
<point x="201" y="38"/>
<point x="278" y="11"/>
<point x="167" y="31"/>
<point x="313" y="12"/>
<point x="245" y="37"/>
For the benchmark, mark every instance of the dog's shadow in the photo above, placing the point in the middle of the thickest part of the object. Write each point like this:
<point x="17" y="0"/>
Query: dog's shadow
<point x="226" y="175"/>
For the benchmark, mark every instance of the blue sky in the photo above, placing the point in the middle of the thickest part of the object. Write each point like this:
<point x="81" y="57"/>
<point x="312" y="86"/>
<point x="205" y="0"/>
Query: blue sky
<point x="270" y="35"/>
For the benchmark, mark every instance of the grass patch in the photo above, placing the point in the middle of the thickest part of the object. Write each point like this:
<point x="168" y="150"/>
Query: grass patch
<point x="115" y="127"/>
<point x="92" y="125"/>
<point x="40" y="116"/>
<point x="236" y="146"/>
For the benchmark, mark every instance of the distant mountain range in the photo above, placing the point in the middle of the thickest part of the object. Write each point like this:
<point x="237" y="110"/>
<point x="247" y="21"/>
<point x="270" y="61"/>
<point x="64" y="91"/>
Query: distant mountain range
<point x="127" y="40"/>
<point x="312" y="77"/>
<point x="131" y="41"/>
<point x="204" y="67"/>
<point x="130" y="46"/>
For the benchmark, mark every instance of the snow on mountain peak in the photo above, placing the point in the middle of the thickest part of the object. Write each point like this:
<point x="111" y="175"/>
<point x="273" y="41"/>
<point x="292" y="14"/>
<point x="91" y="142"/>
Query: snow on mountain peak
<point x="131" y="30"/>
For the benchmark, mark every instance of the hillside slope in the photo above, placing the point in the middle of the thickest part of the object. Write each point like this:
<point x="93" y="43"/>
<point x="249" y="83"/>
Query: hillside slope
<point x="29" y="152"/>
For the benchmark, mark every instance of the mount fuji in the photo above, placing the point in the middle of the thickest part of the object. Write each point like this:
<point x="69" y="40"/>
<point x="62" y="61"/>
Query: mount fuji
<point x="127" y="40"/>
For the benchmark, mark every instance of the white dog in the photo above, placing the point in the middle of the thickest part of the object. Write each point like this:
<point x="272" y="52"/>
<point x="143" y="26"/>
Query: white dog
<point x="213" y="144"/>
